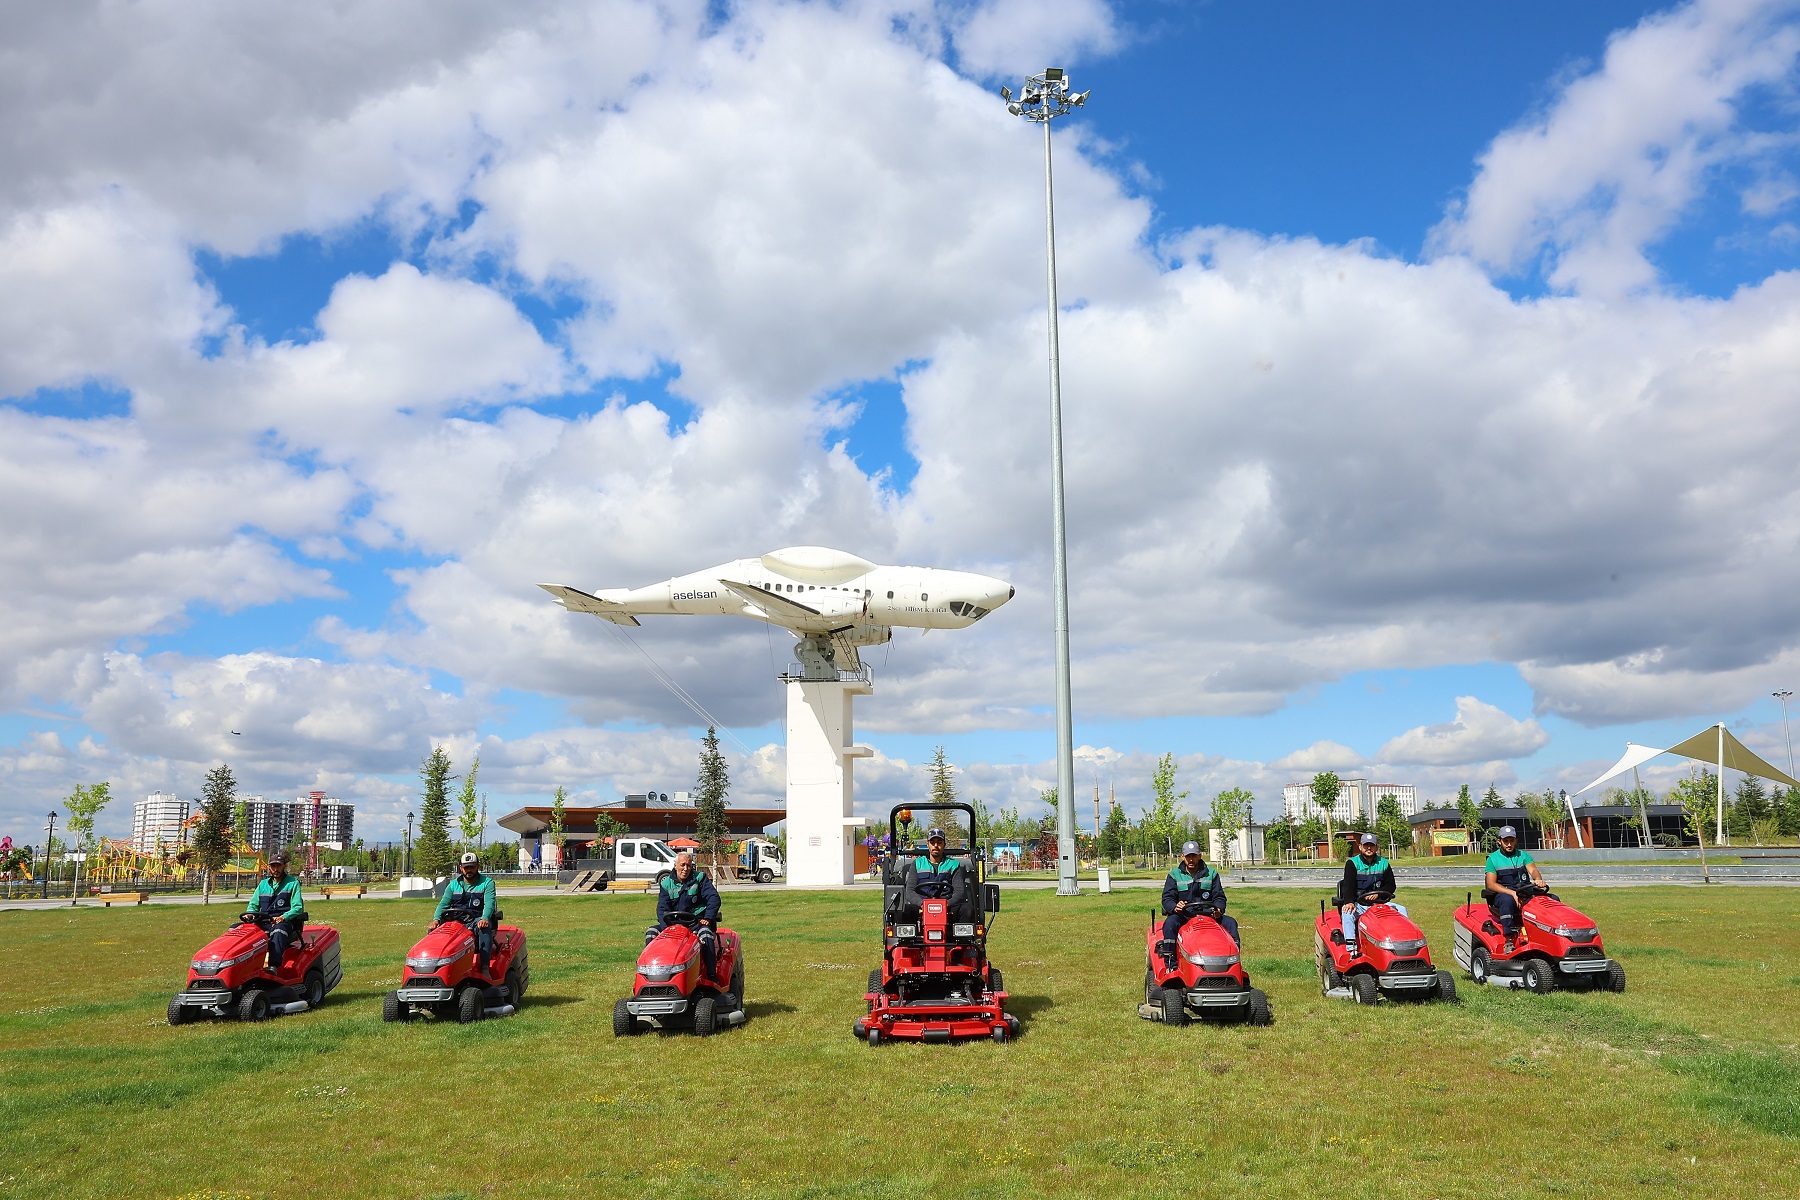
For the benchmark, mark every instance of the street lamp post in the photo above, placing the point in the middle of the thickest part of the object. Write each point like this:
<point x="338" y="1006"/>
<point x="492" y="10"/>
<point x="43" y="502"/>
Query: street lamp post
<point x="1043" y="98"/>
<point x="406" y="853"/>
<point x="1782" y="696"/>
<point x="49" y="837"/>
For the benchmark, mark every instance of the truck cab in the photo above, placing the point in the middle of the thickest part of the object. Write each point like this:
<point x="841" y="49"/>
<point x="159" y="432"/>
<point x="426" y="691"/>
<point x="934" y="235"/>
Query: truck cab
<point x="641" y="858"/>
<point x="759" y="859"/>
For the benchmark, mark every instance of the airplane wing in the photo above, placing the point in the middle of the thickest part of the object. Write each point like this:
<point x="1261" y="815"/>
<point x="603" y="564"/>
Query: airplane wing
<point x="775" y="604"/>
<point x="576" y="600"/>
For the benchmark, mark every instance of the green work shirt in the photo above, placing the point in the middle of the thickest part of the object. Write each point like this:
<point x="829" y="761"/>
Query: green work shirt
<point x="483" y="887"/>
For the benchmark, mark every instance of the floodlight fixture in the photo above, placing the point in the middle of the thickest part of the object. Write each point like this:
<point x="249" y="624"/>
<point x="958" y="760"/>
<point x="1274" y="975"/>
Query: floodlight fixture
<point x="1043" y="98"/>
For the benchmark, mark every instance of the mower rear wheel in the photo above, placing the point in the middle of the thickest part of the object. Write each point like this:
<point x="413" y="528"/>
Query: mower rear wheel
<point x="705" y="1016"/>
<point x="995" y="981"/>
<point x="1481" y="965"/>
<point x="737" y="980"/>
<point x="765" y="876"/>
<point x="393" y="1008"/>
<point x="179" y="1014"/>
<point x="1540" y="976"/>
<point x="1614" y="980"/>
<point x="1364" y="988"/>
<point x="515" y="995"/>
<point x="313" y="989"/>
<point x="875" y="980"/>
<point x="254" y="1006"/>
<point x="1174" y="1006"/>
<point x="1259" y="1011"/>
<point x="1329" y="978"/>
<point x="468" y="1006"/>
<point x="624" y="1024"/>
<point x="1446" y="987"/>
<point x="1150" y="987"/>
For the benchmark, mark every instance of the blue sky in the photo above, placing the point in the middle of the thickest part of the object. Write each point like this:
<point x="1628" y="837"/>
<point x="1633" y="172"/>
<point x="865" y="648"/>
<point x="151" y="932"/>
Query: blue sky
<point x="317" y="393"/>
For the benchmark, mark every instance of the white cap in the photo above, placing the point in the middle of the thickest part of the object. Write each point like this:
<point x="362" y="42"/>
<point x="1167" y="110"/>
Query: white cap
<point x="468" y="857"/>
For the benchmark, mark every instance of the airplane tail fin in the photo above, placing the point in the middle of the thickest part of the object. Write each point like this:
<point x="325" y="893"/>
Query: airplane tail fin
<point x="576" y="600"/>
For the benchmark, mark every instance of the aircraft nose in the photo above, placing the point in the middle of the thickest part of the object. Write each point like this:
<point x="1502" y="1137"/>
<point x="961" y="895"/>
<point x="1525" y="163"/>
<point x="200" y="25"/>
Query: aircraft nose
<point x="985" y="595"/>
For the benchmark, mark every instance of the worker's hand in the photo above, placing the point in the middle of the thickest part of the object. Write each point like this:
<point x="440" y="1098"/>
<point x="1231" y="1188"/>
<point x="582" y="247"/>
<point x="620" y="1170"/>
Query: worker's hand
<point x="706" y="922"/>
<point x="1181" y="906"/>
<point x="1371" y="897"/>
<point x="434" y="924"/>
<point x="482" y="924"/>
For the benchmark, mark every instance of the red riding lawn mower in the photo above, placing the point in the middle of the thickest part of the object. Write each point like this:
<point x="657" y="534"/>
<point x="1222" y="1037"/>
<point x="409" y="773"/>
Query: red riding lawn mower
<point x="672" y="989"/>
<point x="1208" y="981"/>
<point x="935" y="983"/>
<point x="1394" y="960"/>
<point x="230" y="976"/>
<point x="1557" y="946"/>
<point x="443" y="975"/>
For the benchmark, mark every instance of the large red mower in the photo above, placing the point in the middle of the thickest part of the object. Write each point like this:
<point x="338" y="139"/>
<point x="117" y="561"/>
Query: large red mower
<point x="1208" y="981"/>
<point x="1392" y="959"/>
<point x="230" y="976"/>
<point x="444" y="976"/>
<point x="935" y="983"/>
<point x="1557" y="946"/>
<point x="672" y="989"/>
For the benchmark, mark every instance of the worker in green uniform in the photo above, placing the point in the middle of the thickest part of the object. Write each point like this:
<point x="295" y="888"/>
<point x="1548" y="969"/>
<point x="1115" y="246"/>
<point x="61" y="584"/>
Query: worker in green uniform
<point x="934" y="875"/>
<point x="470" y="900"/>
<point x="1513" y="878"/>
<point x="276" y="905"/>
<point x="1368" y="881"/>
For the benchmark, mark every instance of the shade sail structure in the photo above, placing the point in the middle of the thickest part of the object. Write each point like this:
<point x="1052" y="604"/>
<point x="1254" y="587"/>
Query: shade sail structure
<point x="1714" y="745"/>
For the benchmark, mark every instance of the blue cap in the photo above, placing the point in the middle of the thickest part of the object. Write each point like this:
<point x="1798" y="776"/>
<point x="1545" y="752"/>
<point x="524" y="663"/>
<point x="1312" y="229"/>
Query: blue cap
<point x="1507" y="831"/>
<point x="1188" y="848"/>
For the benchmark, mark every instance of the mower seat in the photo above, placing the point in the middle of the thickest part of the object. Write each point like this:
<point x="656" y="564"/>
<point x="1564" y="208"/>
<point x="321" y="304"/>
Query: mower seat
<point x="1488" y="894"/>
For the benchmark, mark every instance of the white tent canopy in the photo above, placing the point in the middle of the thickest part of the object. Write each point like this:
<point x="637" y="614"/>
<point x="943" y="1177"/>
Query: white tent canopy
<point x="1716" y="746"/>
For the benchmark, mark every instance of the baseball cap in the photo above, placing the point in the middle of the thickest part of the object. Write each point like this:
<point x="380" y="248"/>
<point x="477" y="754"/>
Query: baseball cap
<point x="1188" y="848"/>
<point x="1507" y="831"/>
<point x="1368" y="839"/>
<point x="936" y="831"/>
<point x="278" y="857"/>
<point x="468" y="857"/>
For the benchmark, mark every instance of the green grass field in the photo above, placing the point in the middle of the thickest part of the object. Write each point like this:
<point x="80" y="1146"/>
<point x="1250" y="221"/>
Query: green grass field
<point x="1689" y="1083"/>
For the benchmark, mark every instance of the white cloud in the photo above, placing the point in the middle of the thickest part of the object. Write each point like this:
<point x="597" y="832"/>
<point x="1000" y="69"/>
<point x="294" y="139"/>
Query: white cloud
<point x="1324" y="755"/>
<point x="1606" y="170"/>
<point x="1014" y="38"/>
<point x="1480" y="732"/>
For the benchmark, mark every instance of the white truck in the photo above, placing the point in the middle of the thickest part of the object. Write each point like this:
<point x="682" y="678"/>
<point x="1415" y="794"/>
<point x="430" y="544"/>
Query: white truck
<point x="638" y="858"/>
<point x="757" y="861"/>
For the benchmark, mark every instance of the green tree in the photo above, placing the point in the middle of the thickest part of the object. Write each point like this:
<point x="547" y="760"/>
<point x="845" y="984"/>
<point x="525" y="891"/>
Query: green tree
<point x="558" y="808"/>
<point x="1750" y="809"/>
<point x="1543" y="810"/>
<point x="1230" y="811"/>
<point x="943" y="778"/>
<point x="468" y="815"/>
<point x="1391" y="825"/>
<point x="1470" y="813"/>
<point x="1114" y="833"/>
<point x="433" y="854"/>
<point x="1325" y="788"/>
<point x="1787" y="812"/>
<point x="1163" y="820"/>
<point x="240" y="835"/>
<point x="83" y="806"/>
<point x="711" y="826"/>
<point x="212" y="838"/>
<point x="1491" y="797"/>
<point x="1697" y="794"/>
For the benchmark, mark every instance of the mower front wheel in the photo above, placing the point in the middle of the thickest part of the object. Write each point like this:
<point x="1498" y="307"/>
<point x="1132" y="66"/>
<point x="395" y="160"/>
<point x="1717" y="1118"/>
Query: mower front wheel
<point x="1613" y="981"/>
<point x="1259" y="1011"/>
<point x="1174" y="1006"/>
<point x="179" y="1014"/>
<point x="254" y="1006"/>
<point x="999" y="1035"/>
<point x="1364" y="988"/>
<point x="1446" y="987"/>
<point x="624" y="1024"/>
<point x="1540" y="977"/>
<point x="393" y="1008"/>
<point x="705" y="1016"/>
<point x="874" y="1038"/>
<point x="468" y="1006"/>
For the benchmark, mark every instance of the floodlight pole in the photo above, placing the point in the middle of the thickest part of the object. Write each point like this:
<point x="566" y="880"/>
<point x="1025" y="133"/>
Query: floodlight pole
<point x="1042" y="99"/>
<point x="1782" y="696"/>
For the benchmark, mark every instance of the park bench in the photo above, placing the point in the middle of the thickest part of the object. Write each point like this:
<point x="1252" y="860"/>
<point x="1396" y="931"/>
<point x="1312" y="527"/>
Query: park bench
<point x="353" y="890"/>
<point x="111" y="898"/>
<point x="628" y="885"/>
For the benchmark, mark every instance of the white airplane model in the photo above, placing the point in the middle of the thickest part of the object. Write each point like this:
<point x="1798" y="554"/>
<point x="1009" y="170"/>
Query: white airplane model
<point x="832" y="601"/>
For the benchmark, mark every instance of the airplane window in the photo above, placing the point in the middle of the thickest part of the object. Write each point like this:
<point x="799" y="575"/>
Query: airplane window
<point x="890" y="595"/>
<point x="923" y="598"/>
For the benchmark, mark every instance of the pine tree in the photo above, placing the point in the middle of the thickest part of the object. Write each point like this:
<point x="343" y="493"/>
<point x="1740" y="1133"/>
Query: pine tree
<point x="212" y="840"/>
<point x="469" y="817"/>
<point x="1787" y="812"/>
<point x="1749" y="808"/>
<point x="943" y="779"/>
<point x="1491" y="797"/>
<point x="558" y="807"/>
<point x="433" y="853"/>
<point x="712" y="826"/>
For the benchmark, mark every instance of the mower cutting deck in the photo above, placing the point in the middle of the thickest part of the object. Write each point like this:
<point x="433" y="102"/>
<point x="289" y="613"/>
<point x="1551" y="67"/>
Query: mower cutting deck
<point x="443" y="975"/>
<point x="935" y="983"/>
<point x="1557" y="947"/>
<point x="230" y="977"/>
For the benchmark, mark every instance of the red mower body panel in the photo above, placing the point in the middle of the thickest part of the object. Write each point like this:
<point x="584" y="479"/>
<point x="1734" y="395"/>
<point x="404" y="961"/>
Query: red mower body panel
<point x="1558" y="946"/>
<point x="1208" y="982"/>
<point x="1392" y="960"/>
<point x="229" y="977"/>
<point x="443" y="975"/>
<point x="672" y="989"/>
